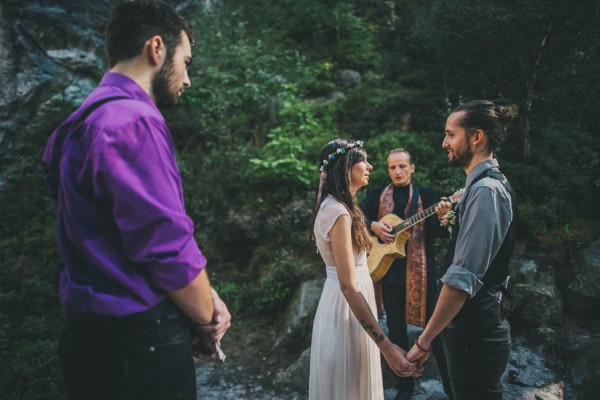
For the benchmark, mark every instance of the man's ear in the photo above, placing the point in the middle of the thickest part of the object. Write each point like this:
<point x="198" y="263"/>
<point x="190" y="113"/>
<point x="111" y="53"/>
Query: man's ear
<point x="477" y="137"/>
<point x="156" y="50"/>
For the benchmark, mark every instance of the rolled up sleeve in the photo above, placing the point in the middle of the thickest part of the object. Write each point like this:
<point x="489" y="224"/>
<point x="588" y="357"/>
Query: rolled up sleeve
<point x="460" y="278"/>
<point x="141" y="180"/>
<point x="484" y="222"/>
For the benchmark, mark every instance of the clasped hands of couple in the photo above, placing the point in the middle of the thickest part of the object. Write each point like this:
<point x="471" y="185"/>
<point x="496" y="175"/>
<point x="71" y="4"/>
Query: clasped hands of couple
<point x="411" y="363"/>
<point x="407" y="364"/>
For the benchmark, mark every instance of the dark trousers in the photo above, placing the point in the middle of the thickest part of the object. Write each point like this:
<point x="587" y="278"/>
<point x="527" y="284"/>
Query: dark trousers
<point x="145" y="357"/>
<point x="394" y="302"/>
<point x="477" y="359"/>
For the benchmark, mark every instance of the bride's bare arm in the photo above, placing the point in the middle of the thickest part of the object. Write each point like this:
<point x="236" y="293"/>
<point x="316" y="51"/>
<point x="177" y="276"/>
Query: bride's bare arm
<point x="343" y="254"/>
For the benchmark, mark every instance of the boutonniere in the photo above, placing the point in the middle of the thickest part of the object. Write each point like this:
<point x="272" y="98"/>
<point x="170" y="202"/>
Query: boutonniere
<point x="448" y="219"/>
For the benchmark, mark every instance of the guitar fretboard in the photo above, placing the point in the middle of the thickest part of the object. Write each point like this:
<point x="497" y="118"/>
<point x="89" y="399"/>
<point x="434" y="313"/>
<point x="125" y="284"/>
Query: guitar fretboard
<point x="415" y="219"/>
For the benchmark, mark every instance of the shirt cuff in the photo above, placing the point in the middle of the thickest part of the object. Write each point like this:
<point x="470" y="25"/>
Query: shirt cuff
<point x="460" y="278"/>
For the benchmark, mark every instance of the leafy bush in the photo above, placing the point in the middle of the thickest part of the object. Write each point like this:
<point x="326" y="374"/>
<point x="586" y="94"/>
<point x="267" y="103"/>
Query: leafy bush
<point x="34" y="373"/>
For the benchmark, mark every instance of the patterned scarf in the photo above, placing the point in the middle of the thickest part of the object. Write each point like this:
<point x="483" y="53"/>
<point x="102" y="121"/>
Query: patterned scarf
<point x="416" y="258"/>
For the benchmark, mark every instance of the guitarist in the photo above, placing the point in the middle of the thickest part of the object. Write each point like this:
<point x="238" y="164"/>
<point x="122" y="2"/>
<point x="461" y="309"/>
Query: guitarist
<point x="406" y="199"/>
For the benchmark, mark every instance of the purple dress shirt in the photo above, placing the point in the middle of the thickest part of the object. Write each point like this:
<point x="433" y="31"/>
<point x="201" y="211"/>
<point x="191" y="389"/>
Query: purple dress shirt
<point x="123" y="234"/>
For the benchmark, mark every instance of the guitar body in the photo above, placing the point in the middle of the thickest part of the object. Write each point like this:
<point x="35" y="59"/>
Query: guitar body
<point x="382" y="255"/>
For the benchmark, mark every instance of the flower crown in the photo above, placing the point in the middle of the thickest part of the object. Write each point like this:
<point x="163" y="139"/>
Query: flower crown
<point x="339" y="152"/>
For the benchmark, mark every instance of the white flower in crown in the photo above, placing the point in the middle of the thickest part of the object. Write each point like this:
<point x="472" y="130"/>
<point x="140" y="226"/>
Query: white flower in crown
<point x="339" y="151"/>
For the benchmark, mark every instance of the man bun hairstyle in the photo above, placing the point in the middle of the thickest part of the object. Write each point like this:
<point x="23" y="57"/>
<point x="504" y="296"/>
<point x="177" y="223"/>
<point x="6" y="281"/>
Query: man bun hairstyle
<point x="133" y="22"/>
<point x="491" y="117"/>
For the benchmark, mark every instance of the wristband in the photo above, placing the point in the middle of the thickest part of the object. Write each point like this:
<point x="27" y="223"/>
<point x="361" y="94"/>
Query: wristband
<point x="423" y="349"/>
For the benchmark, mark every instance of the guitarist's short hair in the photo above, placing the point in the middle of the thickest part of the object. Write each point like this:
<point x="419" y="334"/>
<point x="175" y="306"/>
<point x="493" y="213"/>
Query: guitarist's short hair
<point x="401" y="150"/>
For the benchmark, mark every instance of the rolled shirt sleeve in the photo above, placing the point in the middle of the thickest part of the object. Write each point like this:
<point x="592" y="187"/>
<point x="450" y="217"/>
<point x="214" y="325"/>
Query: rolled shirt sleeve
<point x="139" y="175"/>
<point x="484" y="222"/>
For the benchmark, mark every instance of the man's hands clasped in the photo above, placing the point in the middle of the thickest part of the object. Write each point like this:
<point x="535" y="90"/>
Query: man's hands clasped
<point x="206" y="338"/>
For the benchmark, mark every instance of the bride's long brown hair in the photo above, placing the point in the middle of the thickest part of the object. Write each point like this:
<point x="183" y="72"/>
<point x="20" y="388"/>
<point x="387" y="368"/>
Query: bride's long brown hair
<point x="337" y="184"/>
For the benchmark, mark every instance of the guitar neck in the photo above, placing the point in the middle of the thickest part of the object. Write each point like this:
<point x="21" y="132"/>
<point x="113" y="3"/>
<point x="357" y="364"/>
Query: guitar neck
<point x="415" y="219"/>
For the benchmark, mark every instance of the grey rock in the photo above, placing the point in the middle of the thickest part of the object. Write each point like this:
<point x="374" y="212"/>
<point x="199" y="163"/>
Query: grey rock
<point x="543" y="335"/>
<point x="49" y="48"/>
<point x="582" y="356"/>
<point x="296" y="327"/>
<point x="347" y="78"/>
<point x="582" y="290"/>
<point x="528" y="368"/>
<point x="535" y="298"/>
<point x="76" y="59"/>
<point x="295" y="378"/>
<point x="552" y="391"/>
<point x="334" y="95"/>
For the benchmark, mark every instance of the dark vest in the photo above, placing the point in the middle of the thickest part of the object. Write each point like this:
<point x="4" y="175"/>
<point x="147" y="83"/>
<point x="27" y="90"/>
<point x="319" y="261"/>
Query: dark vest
<point x="485" y="308"/>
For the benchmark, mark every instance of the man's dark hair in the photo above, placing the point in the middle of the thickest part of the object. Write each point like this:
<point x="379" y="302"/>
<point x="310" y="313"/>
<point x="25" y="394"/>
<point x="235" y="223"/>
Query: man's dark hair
<point x="488" y="116"/>
<point x="133" y="22"/>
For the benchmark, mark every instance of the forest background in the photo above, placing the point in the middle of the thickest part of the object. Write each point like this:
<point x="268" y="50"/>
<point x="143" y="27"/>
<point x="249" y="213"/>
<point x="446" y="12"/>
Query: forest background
<point x="272" y="82"/>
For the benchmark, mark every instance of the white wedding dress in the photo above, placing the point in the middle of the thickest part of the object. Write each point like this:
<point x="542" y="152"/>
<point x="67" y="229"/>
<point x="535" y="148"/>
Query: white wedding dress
<point x="344" y="361"/>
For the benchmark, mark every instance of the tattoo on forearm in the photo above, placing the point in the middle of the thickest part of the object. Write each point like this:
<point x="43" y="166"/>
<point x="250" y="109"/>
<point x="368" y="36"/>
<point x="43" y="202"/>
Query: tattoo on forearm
<point x="377" y="337"/>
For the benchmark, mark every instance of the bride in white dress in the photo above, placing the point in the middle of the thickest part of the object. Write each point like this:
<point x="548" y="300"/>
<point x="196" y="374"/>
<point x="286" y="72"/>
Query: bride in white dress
<point x="346" y="338"/>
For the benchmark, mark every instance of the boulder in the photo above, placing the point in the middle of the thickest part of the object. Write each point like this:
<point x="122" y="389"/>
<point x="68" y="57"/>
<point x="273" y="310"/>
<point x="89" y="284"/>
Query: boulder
<point x="295" y="378"/>
<point x="296" y="328"/>
<point x="347" y="78"/>
<point x="582" y="289"/>
<point x="582" y="358"/>
<point x="535" y="300"/>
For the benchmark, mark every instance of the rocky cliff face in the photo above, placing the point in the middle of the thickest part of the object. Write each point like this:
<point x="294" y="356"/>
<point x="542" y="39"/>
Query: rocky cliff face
<point x="46" y="46"/>
<point x="51" y="54"/>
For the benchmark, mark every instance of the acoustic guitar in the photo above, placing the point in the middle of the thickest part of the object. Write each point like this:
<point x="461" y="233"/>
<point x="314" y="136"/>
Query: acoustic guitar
<point x="382" y="255"/>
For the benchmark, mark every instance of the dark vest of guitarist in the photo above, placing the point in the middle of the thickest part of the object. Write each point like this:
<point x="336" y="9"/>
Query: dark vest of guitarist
<point x="401" y="200"/>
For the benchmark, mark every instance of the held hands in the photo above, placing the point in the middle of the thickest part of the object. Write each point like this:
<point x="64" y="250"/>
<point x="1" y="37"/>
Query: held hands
<point x="383" y="231"/>
<point x="420" y="352"/>
<point x="398" y="363"/>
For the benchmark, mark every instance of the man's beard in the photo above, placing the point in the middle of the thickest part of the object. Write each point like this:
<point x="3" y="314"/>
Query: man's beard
<point x="462" y="157"/>
<point x="161" y="86"/>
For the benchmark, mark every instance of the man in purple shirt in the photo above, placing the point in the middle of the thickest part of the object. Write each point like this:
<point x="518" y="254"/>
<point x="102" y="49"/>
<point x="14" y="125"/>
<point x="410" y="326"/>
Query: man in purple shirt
<point x="132" y="278"/>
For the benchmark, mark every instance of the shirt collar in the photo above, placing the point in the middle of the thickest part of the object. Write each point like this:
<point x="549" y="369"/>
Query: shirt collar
<point x="127" y="85"/>
<point x="479" y="168"/>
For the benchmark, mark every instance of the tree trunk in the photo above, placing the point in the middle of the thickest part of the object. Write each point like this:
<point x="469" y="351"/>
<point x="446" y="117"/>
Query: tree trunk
<point x="530" y="86"/>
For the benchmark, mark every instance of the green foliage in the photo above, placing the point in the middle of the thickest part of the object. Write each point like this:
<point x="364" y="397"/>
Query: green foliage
<point x="558" y="236"/>
<point x="242" y="82"/>
<point x="249" y="130"/>
<point x="279" y="272"/>
<point x="287" y="159"/>
<point x="30" y="313"/>
<point x="560" y="244"/>
<point x="34" y="373"/>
